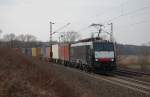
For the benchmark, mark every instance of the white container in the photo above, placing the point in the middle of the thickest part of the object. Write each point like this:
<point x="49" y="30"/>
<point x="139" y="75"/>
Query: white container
<point x="55" y="51"/>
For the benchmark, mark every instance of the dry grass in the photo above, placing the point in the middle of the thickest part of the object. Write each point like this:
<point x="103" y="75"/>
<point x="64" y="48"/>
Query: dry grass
<point x="22" y="77"/>
<point x="135" y="62"/>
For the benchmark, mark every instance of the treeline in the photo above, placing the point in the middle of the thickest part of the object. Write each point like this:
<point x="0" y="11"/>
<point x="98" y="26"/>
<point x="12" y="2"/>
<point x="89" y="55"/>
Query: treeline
<point x="20" y="41"/>
<point x="27" y="40"/>
<point x="132" y="50"/>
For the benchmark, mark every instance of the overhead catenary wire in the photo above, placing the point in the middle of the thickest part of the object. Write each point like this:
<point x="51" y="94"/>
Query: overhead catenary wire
<point x="137" y="23"/>
<point x="62" y="27"/>
<point x="141" y="22"/>
<point x="129" y="13"/>
<point x="109" y="10"/>
<point x="56" y="31"/>
<point x="119" y="16"/>
<point x="98" y="15"/>
<point x="83" y="28"/>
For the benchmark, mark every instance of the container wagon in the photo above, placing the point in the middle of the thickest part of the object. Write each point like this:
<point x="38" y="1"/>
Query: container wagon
<point x="23" y="50"/>
<point x="48" y="51"/>
<point x="64" y="53"/>
<point x="33" y="52"/>
<point x="97" y="55"/>
<point x="29" y="52"/>
<point x="55" y="53"/>
<point x="43" y="52"/>
<point x="38" y="52"/>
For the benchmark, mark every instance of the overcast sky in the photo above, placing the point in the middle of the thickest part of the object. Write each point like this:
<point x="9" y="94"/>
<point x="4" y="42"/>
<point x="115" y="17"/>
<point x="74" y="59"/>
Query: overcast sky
<point x="131" y="18"/>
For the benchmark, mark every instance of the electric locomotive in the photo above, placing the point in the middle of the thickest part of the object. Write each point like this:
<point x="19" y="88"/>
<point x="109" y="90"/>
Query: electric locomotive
<point x="98" y="55"/>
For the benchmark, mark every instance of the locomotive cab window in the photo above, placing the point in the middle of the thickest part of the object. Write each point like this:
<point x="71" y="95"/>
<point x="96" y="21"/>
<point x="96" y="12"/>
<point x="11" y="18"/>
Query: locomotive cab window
<point x="103" y="46"/>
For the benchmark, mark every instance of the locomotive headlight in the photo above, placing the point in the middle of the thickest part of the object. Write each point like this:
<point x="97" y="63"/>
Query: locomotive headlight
<point x="112" y="59"/>
<point x="96" y="59"/>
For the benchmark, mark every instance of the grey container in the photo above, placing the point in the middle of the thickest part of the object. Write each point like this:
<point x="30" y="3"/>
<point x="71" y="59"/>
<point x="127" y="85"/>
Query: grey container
<point x="81" y="53"/>
<point x="28" y="51"/>
<point x="43" y="52"/>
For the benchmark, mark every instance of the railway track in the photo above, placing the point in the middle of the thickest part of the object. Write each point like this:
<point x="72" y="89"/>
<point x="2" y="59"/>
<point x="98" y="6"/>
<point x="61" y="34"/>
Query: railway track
<point x="140" y="77"/>
<point x="126" y="72"/>
<point x="125" y="82"/>
<point x="121" y="81"/>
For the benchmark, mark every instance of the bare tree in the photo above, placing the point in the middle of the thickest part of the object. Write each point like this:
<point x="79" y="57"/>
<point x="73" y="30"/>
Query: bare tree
<point x="10" y="38"/>
<point x="149" y="43"/>
<point x="0" y="37"/>
<point x="70" y="36"/>
<point x="30" y="38"/>
<point x="21" y="37"/>
<point x="26" y="38"/>
<point x="1" y="31"/>
<point x="22" y="40"/>
<point x="19" y="41"/>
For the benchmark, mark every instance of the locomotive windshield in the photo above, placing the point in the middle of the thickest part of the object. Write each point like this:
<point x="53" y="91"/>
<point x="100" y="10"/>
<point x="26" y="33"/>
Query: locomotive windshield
<point x="104" y="46"/>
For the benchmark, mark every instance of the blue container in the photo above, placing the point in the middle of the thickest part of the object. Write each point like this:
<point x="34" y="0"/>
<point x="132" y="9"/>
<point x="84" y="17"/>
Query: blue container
<point x="28" y="51"/>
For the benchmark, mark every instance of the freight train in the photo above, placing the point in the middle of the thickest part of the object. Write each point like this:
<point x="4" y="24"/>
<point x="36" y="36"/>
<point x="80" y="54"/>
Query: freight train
<point x="95" y="55"/>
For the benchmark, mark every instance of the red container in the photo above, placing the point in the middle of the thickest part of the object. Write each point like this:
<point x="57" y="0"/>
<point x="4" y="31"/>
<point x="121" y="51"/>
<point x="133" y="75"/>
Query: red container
<point x="48" y="51"/>
<point x="64" y="52"/>
<point x="48" y="54"/>
<point x="38" y="52"/>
